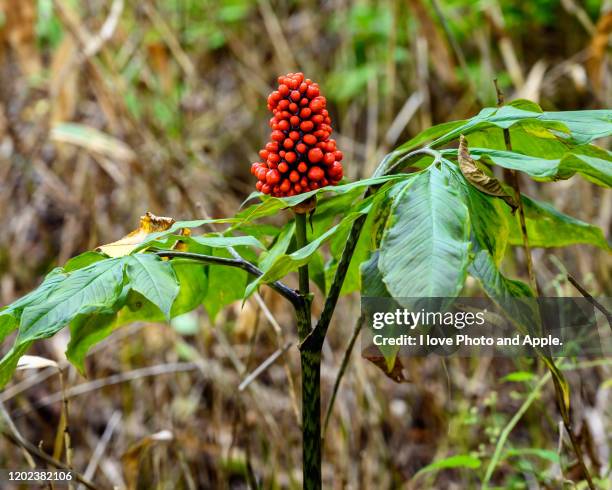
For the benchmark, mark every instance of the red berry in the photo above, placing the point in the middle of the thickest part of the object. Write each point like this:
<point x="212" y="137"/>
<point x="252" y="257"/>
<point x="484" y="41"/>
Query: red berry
<point x="272" y="177"/>
<point x="273" y="158"/>
<point x="283" y="167"/>
<point x="258" y="185"/>
<point x="338" y="155"/>
<point x="295" y="95"/>
<point x="312" y="92"/>
<point x="283" y="125"/>
<point x="277" y="136"/>
<point x="317" y="119"/>
<point x="272" y="146"/>
<point x="283" y="90"/>
<point x="329" y="158"/>
<point x="301" y="148"/>
<point x="293" y="107"/>
<point x="302" y="167"/>
<point x="294" y="135"/>
<point x="315" y="173"/>
<point x="316" y="105"/>
<point x="307" y="126"/>
<point x="288" y="143"/>
<point x="310" y="139"/>
<point x="290" y="157"/>
<point x="295" y="121"/>
<point x="265" y="189"/>
<point x="285" y="186"/>
<point x="297" y="188"/>
<point x="294" y="176"/>
<point x="315" y="155"/>
<point x="305" y="113"/>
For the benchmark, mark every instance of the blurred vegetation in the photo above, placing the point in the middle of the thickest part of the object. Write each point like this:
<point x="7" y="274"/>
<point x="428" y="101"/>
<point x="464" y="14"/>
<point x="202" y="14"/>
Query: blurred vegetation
<point x="112" y="108"/>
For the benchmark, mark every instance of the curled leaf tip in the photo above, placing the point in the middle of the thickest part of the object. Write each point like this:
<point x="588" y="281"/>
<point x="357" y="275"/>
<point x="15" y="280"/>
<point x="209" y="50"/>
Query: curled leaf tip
<point x="479" y="178"/>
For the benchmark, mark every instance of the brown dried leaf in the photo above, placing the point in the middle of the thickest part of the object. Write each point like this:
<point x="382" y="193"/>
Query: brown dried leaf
<point x="134" y="458"/>
<point x="149" y="223"/>
<point x="479" y="178"/>
<point x="397" y="373"/>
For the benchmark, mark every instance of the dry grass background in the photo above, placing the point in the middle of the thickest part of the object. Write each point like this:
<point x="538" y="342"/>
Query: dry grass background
<point x="112" y="108"/>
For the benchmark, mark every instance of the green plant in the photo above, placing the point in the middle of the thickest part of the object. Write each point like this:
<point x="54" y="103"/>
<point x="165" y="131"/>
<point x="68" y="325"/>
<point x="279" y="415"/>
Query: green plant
<point x="399" y="234"/>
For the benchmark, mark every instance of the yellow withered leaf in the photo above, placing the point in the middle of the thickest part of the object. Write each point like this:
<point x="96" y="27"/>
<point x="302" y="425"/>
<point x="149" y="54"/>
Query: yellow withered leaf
<point x="149" y="223"/>
<point x="479" y="178"/>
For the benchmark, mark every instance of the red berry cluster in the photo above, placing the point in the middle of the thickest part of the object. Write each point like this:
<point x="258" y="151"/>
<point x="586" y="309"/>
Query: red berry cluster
<point x="300" y="156"/>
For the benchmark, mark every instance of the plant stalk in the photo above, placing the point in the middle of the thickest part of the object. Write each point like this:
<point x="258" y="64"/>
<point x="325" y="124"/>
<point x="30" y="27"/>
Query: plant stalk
<point x="564" y="407"/>
<point x="311" y="376"/>
<point x="302" y="241"/>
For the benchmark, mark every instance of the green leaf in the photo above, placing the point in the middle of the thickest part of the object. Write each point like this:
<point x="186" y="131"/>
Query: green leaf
<point x="547" y="454"/>
<point x="458" y="461"/>
<point x="372" y="283"/>
<point x="529" y="137"/>
<point x="85" y="332"/>
<point x="279" y="247"/>
<point x="547" y="227"/>
<point x="8" y="364"/>
<point x="533" y="132"/>
<point x="271" y="205"/>
<point x="83" y="260"/>
<point x="519" y="376"/>
<point x="11" y="314"/>
<point x="430" y="134"/>
<point x="282" y="264"/>
<point x="425" y="248"/>
<point x="369" y="239"/>
<point x="88" y="330"/>
<point x="193" y="286"/>
<point x="88" y="291"/>
<point x="163" y="235"/>
<point x="488" y="218"/>
<point x="373" y="286"/>
<point x="496" y="285"/>
<point x="285" y="263"/>
<point x="225" y="285"/>
<point x="154" y="278"/>
<point x="595" y="164"/>
<point x="227" y="241"/>
<point x="585" y="126"/>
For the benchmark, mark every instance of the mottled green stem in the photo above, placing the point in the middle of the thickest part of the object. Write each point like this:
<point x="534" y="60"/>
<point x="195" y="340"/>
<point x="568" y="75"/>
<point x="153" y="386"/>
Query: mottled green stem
<point x="311" y="376"/>
<point x="302" y="241"/>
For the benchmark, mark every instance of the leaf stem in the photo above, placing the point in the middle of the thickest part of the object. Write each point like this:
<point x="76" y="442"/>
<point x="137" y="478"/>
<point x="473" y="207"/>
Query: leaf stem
<point x="302" y="241"/>
<point x="343" y="366"/>
<point x="279" y="287"/>
<point x="562" y="394"/>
